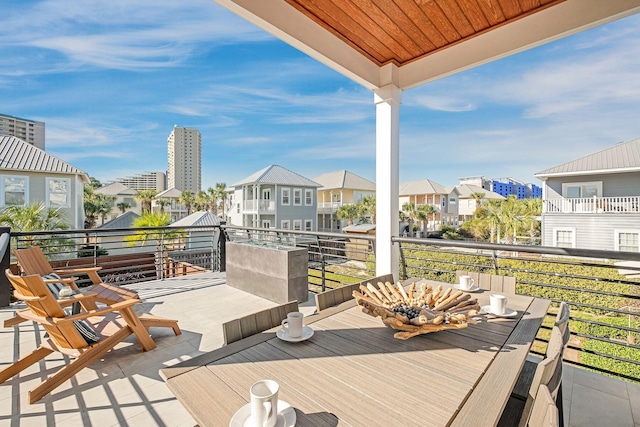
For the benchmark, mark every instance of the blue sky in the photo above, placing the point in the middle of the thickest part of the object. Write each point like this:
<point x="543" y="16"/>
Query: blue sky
<point x="111" y="78"/>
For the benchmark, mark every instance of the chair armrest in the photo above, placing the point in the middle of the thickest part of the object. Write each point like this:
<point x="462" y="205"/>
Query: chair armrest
<point x="89" y="271"/>
<point x="76" y="298"/>
<point x="67" y="281"/>
<point x="100" y="312"/>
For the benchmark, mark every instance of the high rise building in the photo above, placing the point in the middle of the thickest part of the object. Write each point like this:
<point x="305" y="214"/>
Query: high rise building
<point x="145" y="181"/>
<point x="185" y="160"/>
<point x="29" y="131"/>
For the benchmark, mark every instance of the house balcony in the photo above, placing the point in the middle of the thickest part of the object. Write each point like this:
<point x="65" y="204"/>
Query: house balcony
<point x="261" y="205"/>
<point x="626" y="204"/>
<point x="330" y="207"/>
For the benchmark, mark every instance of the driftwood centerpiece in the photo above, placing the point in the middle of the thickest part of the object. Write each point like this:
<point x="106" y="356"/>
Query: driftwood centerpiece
<point x="417" y="312"/>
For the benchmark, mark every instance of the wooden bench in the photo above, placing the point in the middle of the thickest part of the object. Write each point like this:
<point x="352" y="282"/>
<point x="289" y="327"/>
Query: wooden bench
<point x="237" y="329"/>
<point x="339" y="295"/>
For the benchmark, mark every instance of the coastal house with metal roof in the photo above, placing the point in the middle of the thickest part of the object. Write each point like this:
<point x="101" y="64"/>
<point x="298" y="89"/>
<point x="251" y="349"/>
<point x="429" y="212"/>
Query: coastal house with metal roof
<point x="594" y="202"/>
<point x="169" y="201"/>
<point x="30" y="175"/>
<point x="427" y="192"/>
<point x="275" y="197"/>
<point x="467" y="203"/>
<point x="339" y="188"/>
<point x="118" y="194"/>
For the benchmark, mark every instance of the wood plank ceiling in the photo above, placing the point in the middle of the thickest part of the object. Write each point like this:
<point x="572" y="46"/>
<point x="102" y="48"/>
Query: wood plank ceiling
<point x="401" y="31"/>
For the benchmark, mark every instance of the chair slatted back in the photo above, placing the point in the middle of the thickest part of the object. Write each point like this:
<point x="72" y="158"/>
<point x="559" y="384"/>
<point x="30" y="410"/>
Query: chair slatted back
<point x="33" y="261"/>
<point x="490" y="282"/>
<point x="237" y="329"/>
<point x="562" y="322"/>
<point x="548" y="373"/>
<point x="544" y="412"/>
<point x="337" y="296"/>
<point x="40" y="301"/>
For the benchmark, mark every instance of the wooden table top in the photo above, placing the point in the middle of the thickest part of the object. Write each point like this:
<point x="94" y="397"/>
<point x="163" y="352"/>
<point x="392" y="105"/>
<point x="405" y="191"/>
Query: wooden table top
<point x="352" y="372"/>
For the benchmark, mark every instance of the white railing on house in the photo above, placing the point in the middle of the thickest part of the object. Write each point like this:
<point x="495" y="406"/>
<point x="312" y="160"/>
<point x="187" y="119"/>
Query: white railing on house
<point x="263" y="205"/>
<point x="330" y="207"/>
<point x="630" y="204"/>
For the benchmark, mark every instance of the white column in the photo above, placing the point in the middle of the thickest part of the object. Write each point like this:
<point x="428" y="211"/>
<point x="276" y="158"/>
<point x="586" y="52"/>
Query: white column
<point x="387" y="100"/>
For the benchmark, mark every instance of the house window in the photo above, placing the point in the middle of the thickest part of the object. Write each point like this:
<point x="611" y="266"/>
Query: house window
<point x="266" y="223"/>
<point x="564" y="237"/>
<point x="297" y="224"/>
<point x="307" y="225"/>
<point x="285" y="224"/>
<point x="297" y="197"/>
<point x="58" y="190"/>
<point x="627" y="240"/>
<point x="574" y="190"/>
<point x="308" y="197"/>
<point x="238" y="208"/>
<point x="14" y="190"/>
<point x="286" y="194"/>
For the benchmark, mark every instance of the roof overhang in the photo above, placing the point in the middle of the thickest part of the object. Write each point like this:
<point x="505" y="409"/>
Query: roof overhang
<point x="347" y="48"/>
<point x="543" y="176"/>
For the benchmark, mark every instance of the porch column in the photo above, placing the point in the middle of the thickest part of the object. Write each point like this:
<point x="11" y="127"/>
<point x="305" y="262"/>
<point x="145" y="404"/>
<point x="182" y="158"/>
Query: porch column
<point x="387" y="100"/>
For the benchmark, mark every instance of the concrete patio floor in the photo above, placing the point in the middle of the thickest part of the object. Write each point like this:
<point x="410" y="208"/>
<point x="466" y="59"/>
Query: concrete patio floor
<point x="124" y="387"/>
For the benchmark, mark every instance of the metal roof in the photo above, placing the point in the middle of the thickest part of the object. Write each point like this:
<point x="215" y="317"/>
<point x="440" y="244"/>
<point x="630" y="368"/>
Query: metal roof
<point x="197" y="219"/>
<point x="122" y="221"/>
<point x="172" y="193"/>
<point x="424" y="186"/>
<point x="466" y="190"/>
<point x="16" y="154"/>
<point x="275" y="174"/>
<point x="116" y="189"/>
<point x="622" y="157"/>
<point x="344" y="179"/>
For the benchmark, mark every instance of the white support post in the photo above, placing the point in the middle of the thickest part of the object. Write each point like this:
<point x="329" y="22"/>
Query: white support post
<point x="387" y="100"/>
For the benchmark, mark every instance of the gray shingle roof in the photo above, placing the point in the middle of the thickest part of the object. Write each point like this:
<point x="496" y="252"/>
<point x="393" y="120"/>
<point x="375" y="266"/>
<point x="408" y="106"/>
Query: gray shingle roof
<point x="466" y="190"/>
<point x="116" y="189"/>
<point x="16" y="154"/>
<point x="344" y="179"/>
<point x="622" y="157"/>
<point x="275" y="174"/>
<point x="423" y="186"/>
<point x="172" y="193"/>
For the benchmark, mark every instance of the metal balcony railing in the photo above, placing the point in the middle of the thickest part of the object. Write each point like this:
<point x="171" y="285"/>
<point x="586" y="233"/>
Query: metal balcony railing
<point x="604" y="297"/>
<point x="262" y="205"/>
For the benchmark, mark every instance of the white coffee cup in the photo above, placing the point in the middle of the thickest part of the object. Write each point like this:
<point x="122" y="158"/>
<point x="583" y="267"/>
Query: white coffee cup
<point x="293" y="324"/>
<point x="498" y="304"/>
<point x="466" y="282"/>
<point x="264" y="403"/>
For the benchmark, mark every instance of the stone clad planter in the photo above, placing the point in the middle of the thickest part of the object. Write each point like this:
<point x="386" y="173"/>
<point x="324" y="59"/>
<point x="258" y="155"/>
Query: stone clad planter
<point x="278" y="274"/>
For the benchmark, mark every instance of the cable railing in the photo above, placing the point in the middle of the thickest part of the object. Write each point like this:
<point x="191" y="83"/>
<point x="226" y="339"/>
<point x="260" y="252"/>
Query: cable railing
<point x="601" y="287"/>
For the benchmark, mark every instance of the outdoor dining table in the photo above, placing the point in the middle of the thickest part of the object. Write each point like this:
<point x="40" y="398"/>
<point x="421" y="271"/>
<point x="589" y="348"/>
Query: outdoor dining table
<point x="353" y="372"/>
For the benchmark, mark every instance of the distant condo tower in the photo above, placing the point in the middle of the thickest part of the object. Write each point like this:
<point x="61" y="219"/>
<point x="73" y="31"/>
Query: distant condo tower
<point x="29" y="131"/>
<point x="184" y="171"/>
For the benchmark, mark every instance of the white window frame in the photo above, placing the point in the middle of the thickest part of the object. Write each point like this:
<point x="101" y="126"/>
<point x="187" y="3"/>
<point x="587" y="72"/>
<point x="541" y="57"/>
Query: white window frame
<point x="573" y="235"/>
<point x="567" y="185"/>
<point x="3" y="201"/>
<point x="287" y="192"/>
<point x="617" y="233"/>
<point x="67" y="203"/>
<point x="310" y="194"/>
<point x="285" y="224"/>
<point x="266" y="223"/>
<point x="299" y="192"/>
<point x="297" y="225"/>
<point x="308" y="225"/>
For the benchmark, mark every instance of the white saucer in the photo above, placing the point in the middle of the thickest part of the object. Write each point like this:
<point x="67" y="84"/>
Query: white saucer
<point x="286" y="416"/>
<point x="307" y="333"/>
<point x="474" y="288"/>
<point x="508" y="312"/>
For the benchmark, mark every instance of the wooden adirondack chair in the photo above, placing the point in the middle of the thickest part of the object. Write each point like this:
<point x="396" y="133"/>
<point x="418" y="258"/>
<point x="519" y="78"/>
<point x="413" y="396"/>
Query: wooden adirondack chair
<point x="85" y="336"/>
<point x="32" y="261"/>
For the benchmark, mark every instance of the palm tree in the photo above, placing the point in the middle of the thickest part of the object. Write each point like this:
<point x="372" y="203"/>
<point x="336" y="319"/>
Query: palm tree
<point x="152" y="220"/>
<point x="202" y="201"/>
<point x="37" y="217"/>
<point x="96" y="206"/>
<point x="410" y="210"/>
<point x="478" y="197"/>
<point x="123" y="206"/>
<point x="491" y="213"/>
<point x="531" y="209"/>
<point x="187" y="198"/>
<point x="146" y="197"/>
<point x="162" y="203"/>
<point x="218" y="197"/>
<point x="368" y="208"/>
<point x="427" y="210"/>
<point x="348" y="212"/>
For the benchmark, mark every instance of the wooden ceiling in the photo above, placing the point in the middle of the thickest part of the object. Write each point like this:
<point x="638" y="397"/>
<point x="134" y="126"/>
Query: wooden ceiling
<point x="402" y="31"/>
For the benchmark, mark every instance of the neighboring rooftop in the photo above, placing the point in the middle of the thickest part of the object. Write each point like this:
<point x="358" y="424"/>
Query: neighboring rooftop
<point x="344" y="179"/>
<point x="172" y="193"/>
<point x="466" y="190"/>
<point x="423" y="186"/>
<point x="275" y="174"/>
<point x="197" y="219"/>
<point x="622" y="157"/>
<point x="116" y="189"/>
<point x="122" y="221"/>
<point x="19" y="155"/>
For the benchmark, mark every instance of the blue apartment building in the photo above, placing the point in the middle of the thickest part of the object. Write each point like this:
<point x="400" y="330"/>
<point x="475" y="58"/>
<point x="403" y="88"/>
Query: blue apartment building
<point x="509" y="186"/>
